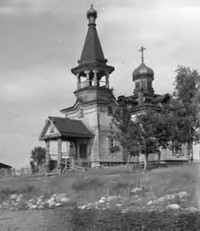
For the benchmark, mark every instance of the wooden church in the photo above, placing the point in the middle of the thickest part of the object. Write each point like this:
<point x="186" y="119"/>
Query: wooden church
<point x="85" y="134"/>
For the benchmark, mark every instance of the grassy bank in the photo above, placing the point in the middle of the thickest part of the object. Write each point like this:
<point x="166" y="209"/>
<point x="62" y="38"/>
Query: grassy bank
<point x="92" y="185"/>
<point x="135" y="221"/>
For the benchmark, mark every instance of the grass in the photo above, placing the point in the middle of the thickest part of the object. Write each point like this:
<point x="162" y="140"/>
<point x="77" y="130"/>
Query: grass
<point x="93" y="184"/>
<point x="28" y="190"/>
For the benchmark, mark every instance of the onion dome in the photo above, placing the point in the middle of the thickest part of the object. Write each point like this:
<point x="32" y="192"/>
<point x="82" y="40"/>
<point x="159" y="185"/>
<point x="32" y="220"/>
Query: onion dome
<point x="91" y="15"/>
<point x="142" y="71"/>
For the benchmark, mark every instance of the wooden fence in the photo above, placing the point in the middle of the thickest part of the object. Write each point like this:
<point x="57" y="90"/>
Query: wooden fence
<point x="8" y="172"/>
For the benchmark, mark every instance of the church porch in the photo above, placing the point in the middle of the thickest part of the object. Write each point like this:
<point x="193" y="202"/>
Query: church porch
<point x="68" y="142"/>
<point x="63" y="154"/>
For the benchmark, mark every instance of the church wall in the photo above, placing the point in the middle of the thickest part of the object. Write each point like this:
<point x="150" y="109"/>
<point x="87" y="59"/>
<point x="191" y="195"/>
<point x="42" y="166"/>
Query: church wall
<point x="92" y="93"/>
<point x="196" y="151"/>
<point x="166" y="154"/>
<point x="105" y="119"/>
<point x="79" y="159"/>
<point x="90" y="119"/>
<point x="100" y="150"/>
<point x="105" y="154"/>
<point x="151" y="157"/>
<point x="106" y="133"/>
<point x="100" y="143"/>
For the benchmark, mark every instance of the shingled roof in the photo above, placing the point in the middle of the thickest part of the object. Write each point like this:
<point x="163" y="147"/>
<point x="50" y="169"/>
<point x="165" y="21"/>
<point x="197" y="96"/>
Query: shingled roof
<point x="67" y="128"/>
<point x="92" y="50"/>
<point x="161" y="99"/>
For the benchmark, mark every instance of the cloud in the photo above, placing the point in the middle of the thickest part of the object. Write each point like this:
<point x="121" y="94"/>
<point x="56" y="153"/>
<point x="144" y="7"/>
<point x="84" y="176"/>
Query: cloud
<point x="35" y="6"/>
<point x="43" y="41"/>
<point x="41" y="6"/>
<point x="27" y="98"/>
<point x="29" y="4"/>
<point x="167" y="30"/>
<point x="25" y="87"/>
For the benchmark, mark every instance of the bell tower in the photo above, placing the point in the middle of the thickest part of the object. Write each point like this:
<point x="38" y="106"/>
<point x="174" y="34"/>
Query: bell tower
<point x="92" y="72"/>
<point x="95" y="101"/>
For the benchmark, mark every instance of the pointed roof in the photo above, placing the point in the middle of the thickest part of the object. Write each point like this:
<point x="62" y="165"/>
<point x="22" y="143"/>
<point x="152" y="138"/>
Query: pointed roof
<point x="92" y="53"/>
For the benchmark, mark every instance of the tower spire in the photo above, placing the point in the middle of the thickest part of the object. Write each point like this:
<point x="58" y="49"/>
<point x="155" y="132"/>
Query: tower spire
<point x="92" y="51"/>
<point x="92" y="56"/>
<point x="142" y="49"/>
<point x="92" y="71"/>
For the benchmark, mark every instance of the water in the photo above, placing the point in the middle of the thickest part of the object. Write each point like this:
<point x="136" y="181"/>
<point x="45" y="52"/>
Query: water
<point x="76" y="220"/>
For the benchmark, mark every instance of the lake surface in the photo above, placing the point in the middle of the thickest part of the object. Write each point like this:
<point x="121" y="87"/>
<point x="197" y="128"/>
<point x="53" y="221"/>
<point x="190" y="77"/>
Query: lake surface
<point x="93" y="220"/>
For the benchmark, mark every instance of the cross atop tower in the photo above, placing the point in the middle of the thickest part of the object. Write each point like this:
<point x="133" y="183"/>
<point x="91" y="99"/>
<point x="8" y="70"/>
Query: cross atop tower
<point x="142" y="52"/>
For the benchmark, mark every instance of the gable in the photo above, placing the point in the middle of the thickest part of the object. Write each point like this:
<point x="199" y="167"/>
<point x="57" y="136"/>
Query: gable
<point x="63" y="127"/>
<point x="49" y="130"/>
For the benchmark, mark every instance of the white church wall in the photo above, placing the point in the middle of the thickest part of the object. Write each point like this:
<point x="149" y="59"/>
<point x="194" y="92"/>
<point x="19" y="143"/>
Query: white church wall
<point x="196" y="152"/>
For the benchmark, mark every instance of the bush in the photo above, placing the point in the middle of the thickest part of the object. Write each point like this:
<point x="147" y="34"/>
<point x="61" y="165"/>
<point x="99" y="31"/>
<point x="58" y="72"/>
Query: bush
<point x="91" y="183"/>
<point x="120" y="188"/>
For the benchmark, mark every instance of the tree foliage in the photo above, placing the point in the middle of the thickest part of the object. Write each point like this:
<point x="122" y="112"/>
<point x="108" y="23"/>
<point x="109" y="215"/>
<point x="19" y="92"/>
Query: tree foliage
<point x="186" y="106"/>
<point x="174" y="124"/>
<point x="146" y="133"/>
<point x="129" y="132"/>
<point x="155" y="132"/>
<point x="38" y="157"/>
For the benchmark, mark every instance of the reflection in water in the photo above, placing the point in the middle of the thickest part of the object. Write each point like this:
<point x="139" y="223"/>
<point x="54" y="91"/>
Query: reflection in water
<point x="93" y="220"/>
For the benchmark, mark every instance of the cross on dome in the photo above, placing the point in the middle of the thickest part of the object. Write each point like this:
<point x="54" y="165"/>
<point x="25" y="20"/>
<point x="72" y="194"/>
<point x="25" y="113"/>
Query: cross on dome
<point x="142" y="53"/>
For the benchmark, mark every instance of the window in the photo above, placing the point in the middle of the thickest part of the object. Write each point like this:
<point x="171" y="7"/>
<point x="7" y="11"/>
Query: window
<point x="112" y="146"/>
<point x="137" y="85"/>
<point x="143" y="84"/>
<point x="149" y="84"/>
<point x="81" y="113"/>
<point x="110" y="110"/>
<point x="111" y="143"/>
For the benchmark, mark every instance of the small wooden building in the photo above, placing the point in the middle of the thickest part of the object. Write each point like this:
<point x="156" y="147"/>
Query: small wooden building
<point x="5" y="170"/>
<point x="4" y="166"/>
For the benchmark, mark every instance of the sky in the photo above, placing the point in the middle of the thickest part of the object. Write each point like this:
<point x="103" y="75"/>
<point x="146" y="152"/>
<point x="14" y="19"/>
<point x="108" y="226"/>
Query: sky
<point x="41" y="40"/>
